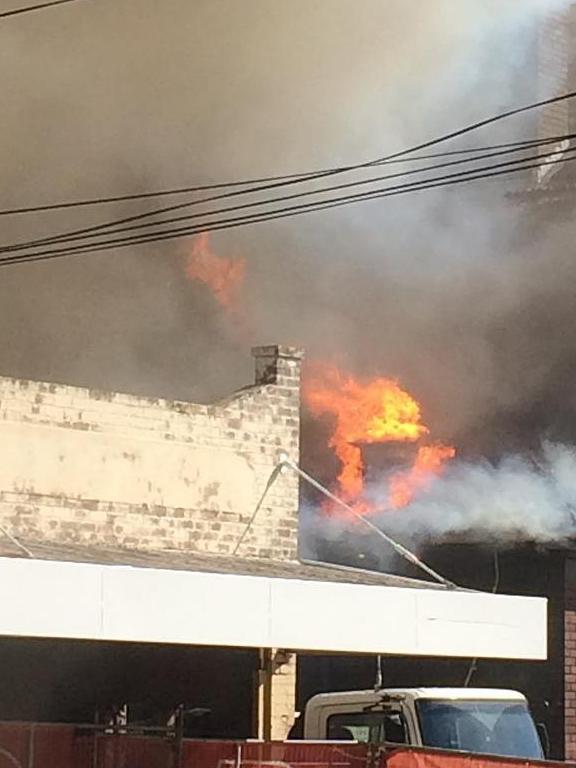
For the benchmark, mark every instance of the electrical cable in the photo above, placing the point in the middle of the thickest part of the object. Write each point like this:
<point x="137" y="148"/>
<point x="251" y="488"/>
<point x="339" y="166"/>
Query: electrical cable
<point x="270" y="482"/>
<point x="399" y="548"/>
<point x="284" y="212"/>
<point x="474" y="663"/>
<point x="238" y="221"/>
<point x="258" y="203"/>
<point x="405" y="553"/>
<point x="393" y="156"/>
<point x="15" y="541"/>
<point x="30" y="8"/>
<point x="95" y="201"/>
<point x="233" y="223"/>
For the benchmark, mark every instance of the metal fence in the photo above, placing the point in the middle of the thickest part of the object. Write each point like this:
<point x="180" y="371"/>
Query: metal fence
<point x="35" y="745"/>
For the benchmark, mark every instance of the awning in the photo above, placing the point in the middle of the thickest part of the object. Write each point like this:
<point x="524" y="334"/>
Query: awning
<point x="267" y="608"/>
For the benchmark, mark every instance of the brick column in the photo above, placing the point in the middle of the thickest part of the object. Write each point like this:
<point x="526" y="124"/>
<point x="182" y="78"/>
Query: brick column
<point x="276" y="694"/>
<point x="570" y="662"/>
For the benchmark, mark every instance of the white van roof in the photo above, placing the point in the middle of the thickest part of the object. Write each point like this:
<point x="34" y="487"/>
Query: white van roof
<point x="462" y="694"/>
<point x="499" y="694"/>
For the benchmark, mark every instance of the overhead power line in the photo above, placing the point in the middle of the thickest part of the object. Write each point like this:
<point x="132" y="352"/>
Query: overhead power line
<point x="30" y="8"/>
<point x="93" y="231"/>
<point x="318" y="175"/>
<point x="293" y="196"/>
<point x="172" y="192"/>
<point x="258" y="218"/>
<point x="262" y="216"/>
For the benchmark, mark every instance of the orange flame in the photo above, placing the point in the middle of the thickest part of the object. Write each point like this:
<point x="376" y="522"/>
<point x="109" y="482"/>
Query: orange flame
<point x="430" y="460"/>
<point x="375" y="411"/>
<point x="223" y="276"/>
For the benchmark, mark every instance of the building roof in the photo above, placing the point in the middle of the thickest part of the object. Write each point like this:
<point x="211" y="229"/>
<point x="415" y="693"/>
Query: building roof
<point x="209" y="563"/>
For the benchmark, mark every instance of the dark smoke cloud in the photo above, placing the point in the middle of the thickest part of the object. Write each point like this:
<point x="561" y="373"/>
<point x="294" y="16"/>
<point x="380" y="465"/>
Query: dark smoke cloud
<point x="109" y="97"/>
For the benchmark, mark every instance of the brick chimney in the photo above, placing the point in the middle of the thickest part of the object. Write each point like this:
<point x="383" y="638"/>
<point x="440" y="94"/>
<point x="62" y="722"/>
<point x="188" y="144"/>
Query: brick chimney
<point x="278" y="364"/>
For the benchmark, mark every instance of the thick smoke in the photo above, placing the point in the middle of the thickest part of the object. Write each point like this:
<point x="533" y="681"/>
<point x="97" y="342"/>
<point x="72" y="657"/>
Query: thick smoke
<point x="457" y="293"/>
<point x="108" y="98"/>
<point x="516" y="498"/>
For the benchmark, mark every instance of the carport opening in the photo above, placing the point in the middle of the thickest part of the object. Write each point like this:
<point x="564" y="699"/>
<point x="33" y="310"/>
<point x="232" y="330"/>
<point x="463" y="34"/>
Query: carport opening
<point x="69" y="681"/>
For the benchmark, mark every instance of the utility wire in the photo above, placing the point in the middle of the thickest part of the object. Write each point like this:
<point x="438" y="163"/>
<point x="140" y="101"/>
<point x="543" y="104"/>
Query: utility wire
<point x="246" y="220"/>
<point x="30" y="8"/>
<point x="286" y="462"/>
<point x="96" y="201"/>
<point x="393" y="156"/>
<point x="271" y="480"/>
<point x="15" y="541"/>
<point x="439" y="182"/>
<point x="479" y="124"/>
<point x="270" y="201"/>
<point x="473" y="668"/>
<point x="399" y="548"/>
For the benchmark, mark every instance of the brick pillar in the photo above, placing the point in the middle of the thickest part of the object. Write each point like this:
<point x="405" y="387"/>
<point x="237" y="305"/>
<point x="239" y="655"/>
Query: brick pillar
<point x="276" y="694"/>
<point x="570" y="662"/>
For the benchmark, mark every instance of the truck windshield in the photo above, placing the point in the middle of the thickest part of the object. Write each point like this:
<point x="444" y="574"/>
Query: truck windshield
<point x="489" y="727"/>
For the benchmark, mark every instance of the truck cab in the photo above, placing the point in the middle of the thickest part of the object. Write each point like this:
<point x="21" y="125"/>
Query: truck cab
<point x="479" y="720"/>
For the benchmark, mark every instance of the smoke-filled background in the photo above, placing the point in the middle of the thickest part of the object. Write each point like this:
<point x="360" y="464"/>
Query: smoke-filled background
<point x="440" y="289"/>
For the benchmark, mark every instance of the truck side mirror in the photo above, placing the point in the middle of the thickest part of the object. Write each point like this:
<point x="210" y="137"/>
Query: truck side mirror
<point x="544" y="738"/>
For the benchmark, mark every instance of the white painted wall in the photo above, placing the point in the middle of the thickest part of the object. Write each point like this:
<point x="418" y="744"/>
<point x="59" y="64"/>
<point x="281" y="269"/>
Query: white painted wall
<point x="73" y="600"/>
<point x="51" y="461"/>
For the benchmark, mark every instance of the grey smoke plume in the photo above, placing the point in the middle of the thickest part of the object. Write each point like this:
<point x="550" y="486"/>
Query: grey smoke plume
<point x="503" y="503"/>
<point x="513" y="499"/>
<point x="120" y="96"/>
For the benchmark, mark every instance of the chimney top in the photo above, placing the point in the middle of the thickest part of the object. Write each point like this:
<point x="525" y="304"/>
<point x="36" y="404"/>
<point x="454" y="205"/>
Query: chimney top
<point x="278" y="350"/>
<point x="278" y="364"/>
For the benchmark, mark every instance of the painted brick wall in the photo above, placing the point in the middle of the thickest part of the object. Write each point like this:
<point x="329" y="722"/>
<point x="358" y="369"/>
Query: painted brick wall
<point x="109" y="469"/>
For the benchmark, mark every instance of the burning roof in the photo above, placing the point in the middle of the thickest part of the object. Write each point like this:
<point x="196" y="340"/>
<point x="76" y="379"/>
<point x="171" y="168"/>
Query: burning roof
<point x="373" y="412"/>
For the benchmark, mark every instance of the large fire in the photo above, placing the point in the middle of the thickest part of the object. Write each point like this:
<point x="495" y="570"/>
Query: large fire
<point x="364" y="412"/>
<point x="429" y="461"/>
<point x="224" y="277"/>
<point x="374" y="411"/>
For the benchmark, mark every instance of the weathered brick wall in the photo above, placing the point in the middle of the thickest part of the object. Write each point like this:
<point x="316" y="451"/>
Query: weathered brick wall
<point x="570" y="661"/>
<point x="113" y="469"/>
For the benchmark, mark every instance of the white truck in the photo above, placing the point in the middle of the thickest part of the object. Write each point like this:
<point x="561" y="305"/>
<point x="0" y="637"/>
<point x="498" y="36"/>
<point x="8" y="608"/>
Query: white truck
<point x="478" y="720"/>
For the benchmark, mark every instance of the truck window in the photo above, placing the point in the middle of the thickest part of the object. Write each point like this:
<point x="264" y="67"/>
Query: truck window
<point x="491" y="727"/>
<point x="368" y="727"/>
